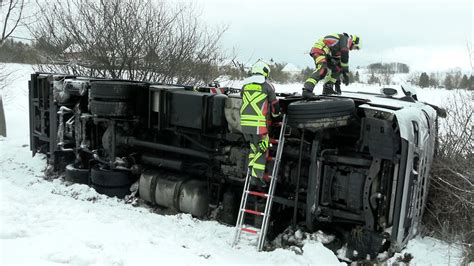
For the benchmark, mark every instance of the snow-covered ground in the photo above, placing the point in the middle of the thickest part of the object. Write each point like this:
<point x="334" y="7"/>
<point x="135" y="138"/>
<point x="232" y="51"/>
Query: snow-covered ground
<point x="51" y="222"/>
<point x="435" y="96"/>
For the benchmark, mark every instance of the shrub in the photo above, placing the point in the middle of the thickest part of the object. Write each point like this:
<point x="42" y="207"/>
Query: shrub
<point x="424" y="80"/>
<point x="449" y="212"/>
<point x="140" y="40"/>
<point x="373" y="79"/>
<point x="448" y="82"/>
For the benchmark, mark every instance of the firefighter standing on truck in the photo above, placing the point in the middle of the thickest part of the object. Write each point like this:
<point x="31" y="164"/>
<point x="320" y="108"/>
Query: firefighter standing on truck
<point x="258" y="103"/>
<point x="331" y="54"/>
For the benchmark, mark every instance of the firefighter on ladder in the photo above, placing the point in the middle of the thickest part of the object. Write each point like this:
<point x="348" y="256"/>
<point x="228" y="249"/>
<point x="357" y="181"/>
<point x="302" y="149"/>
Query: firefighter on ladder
<point x="331" y="54"/>
<point x="259" y="102"/>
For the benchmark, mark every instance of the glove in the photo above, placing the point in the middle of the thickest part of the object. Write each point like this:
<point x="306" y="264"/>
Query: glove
<point x="345" y="78"/>
<point x="276" y="117"/>
<point x="263" y="144"/>
<point x="307" y="94"/>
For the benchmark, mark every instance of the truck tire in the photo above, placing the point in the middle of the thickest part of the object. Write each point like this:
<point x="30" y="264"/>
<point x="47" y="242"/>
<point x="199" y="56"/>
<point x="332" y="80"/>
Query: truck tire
<point x="113" y="90"/>
<point x="111" y="178"/>
<point x="104" y="108"/>
<point x="119" y="192"/>
<point x="76" y="175"/>
<point x="77" y="87"/>
<point x="320" y="114"/>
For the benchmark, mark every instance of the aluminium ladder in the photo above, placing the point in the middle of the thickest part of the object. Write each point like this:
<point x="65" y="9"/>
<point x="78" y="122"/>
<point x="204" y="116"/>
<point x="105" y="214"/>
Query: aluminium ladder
<point x="262" y="231"/>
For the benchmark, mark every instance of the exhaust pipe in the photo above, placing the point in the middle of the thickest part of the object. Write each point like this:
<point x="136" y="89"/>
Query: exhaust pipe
<point x="160" y="162"/>
<point x="131" y="141"/>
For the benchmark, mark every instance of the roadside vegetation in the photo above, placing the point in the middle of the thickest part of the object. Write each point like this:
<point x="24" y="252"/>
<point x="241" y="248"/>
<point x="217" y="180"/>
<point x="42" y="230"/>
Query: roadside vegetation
<point x="449" y="212"/>
<point x="159" y="64"/>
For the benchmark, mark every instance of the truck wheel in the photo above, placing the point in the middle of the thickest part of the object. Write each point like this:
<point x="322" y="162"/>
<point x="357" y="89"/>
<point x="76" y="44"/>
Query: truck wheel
<point x="113" y="89"/>
<point x="119" y="192"/>
<point x="320" y="114"/>
<point x="76" y="87"/>
<point x="111" y="178"/>
<point x="103" y="108"/>
<point x="76" y="175"/>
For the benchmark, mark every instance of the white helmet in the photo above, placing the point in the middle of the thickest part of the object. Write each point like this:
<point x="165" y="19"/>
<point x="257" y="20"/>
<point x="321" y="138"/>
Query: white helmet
<point x="261" y="68"/>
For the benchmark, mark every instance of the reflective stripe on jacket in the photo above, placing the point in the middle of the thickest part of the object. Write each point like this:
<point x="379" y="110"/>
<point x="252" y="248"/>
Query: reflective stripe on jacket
<point x="336" y="46"/>
<point x="257" y="97"/>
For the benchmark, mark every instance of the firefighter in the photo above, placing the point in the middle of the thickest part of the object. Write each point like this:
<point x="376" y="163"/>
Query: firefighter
<point x="259" y="105"/>
<point x="331" y="54"/>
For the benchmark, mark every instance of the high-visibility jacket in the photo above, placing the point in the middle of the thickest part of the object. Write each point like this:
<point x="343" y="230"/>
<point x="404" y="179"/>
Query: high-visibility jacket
<point x="335" y="46"/>
<point x="258" y="96"/>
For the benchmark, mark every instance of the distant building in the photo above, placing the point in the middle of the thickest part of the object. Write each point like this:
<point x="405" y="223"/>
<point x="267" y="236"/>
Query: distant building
<point x="73" y="52"/>
<point x="291" y="69"/>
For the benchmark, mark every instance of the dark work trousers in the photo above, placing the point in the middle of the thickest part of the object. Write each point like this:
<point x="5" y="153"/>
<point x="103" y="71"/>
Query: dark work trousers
<point x="257" y="155"/>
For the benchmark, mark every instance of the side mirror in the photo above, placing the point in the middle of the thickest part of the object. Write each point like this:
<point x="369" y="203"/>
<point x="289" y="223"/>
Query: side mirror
<point x="410" y="91"/>
<point x="388" y="91"/>
<point x="441" y="112"/>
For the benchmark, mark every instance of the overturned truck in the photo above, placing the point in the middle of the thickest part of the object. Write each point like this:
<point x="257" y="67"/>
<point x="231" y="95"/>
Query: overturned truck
<point x="356" y="164"/>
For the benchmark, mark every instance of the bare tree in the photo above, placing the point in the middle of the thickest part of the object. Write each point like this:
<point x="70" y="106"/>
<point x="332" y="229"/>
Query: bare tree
<point x="414" y="78"/>
<point x="386" y="77"/>
<point x="457" y="135"/>
<point x="470" y="51"/>
<point x="12" y="13"/>
<point x="451" y="195"/>
<point x="134" y="39"/>
<point x="373" y="79"/>
<point x="386" y="73"/>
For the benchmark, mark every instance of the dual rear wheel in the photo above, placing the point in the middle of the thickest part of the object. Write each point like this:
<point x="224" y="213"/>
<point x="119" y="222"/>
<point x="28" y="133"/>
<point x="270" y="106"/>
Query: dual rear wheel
<point x="112" y="98"/>
<point x="113" y="183"/>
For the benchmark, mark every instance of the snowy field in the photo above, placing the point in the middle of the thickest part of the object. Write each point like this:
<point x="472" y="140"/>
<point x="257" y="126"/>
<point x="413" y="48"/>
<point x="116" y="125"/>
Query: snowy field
<point x="51" y="223"/>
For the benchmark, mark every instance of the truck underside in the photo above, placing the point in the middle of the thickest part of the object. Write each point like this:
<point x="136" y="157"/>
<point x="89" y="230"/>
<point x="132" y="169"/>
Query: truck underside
<point x="344" y="167"/>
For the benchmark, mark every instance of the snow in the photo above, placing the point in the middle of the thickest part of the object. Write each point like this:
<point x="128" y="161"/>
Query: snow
<point x="430" y="251"/>
<point x="53" y="222"/>
<point x="436" y="96"/>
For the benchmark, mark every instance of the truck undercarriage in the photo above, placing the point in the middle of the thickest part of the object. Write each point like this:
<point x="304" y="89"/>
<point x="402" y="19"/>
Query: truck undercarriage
<point x="347" y="164"/>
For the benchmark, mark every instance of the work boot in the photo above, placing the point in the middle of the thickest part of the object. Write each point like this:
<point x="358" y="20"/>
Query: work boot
<point x="307" y="94"/>
<point x="337" y="87"/>
<point x="328" y="89"/>
<point x="259" y="182"/>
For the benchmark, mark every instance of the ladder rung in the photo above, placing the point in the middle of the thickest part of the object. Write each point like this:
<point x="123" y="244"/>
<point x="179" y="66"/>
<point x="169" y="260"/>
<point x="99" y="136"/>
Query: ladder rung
<point x="248" y="230"/>
<point x="253" y="212"/>
<point x="268" y="195"/>
<point x="266" y="177"/>
<point x="277" y="124"/>
<point x="259" y="194"/>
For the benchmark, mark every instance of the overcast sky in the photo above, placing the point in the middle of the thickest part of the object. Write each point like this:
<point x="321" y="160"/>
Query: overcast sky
<point x="426" y="34"/>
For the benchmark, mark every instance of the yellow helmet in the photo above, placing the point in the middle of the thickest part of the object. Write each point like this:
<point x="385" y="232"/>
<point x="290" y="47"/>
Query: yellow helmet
<point x="261" y="68"/>
<point x="355" y="42"/>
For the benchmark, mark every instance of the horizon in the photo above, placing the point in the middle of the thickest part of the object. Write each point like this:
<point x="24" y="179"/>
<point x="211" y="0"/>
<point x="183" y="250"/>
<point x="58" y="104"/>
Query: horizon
<point x="437" y="39"/>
